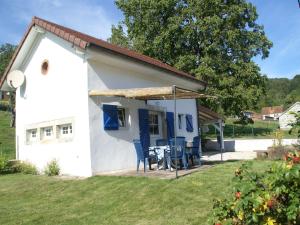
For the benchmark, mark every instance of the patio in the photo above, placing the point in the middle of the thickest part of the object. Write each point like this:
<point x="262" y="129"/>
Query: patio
<point x="175" y="146"/>
<point x="208" y="160"/>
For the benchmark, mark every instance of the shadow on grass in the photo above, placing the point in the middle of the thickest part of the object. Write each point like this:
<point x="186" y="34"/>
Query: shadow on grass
<point x="218" y="162"/>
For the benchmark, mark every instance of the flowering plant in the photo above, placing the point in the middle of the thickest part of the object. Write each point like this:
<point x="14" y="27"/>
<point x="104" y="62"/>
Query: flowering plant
<point x="271" y="198"/>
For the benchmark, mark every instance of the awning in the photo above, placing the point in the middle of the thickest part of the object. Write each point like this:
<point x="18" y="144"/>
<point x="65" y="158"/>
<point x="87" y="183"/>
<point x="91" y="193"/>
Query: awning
<point x="150" y="93"/>
<point x="207" y="116"/>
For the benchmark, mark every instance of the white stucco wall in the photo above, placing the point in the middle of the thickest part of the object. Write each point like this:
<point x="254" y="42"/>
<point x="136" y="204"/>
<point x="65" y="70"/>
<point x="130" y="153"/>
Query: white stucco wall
<point x="47" y="99"/>
<point x="114" y="150"/>
<point x="288" y="118"/>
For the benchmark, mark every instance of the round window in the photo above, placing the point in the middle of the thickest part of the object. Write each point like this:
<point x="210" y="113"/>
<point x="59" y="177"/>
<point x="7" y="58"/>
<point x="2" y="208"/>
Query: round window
<point x="45" y="67"/>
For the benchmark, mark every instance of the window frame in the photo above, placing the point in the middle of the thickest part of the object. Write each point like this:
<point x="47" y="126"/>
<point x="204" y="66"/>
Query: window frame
<point x="180" y="121"/>
<point x="44" y="135"/>
<point x="152" y="123"/>
<point x="30" y="138"/>
<point x="122" y="124"/>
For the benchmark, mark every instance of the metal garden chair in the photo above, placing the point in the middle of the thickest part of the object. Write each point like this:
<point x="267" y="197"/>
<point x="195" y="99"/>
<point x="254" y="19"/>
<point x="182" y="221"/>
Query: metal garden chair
<point x="195" y="149"/>
<point x="161" y="142"/>
<point x="142" y="156"/>
<point x="180" y="151"/>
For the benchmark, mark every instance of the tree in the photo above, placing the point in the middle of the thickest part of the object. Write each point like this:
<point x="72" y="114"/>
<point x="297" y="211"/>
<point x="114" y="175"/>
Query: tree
<point x="215" y="40"/>
<point x="119" y="37"/>
<point x="6" y="53"/>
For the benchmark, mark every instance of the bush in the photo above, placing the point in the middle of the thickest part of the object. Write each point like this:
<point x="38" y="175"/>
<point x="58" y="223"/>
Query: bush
<point x="27" y="168"/>
<point x="4" y="106"/>
<point x="52" y="168"/>
<point x="278" y="152"/>
<point x="15" y="166"/>
<point x="3" y="164"/>
<point x="269" y="198"/>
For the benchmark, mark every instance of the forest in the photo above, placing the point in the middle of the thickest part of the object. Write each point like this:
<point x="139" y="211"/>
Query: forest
<point x="281" y="91"/>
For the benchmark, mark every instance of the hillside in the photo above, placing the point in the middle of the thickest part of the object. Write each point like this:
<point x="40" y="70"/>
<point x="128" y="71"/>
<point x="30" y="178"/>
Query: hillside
<point x="282" y="91"/>
<point x="7" y="136"/>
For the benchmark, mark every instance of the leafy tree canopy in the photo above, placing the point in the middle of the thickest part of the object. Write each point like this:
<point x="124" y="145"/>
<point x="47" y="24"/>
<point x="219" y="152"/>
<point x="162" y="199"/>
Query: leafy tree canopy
<point x="6" y="52"/>
<point x="281" y="91"/>
<point x="215" y="40"/>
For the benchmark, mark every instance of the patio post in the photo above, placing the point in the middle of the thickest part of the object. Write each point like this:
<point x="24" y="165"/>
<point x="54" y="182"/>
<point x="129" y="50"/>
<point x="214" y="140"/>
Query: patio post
<point x="221" y="138"/>
<point x="175" y="129"/>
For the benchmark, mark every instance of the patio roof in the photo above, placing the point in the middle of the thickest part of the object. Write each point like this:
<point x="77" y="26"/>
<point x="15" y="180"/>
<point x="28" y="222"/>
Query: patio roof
<point x="150" y="93"/>
<point x="207" y="116"/>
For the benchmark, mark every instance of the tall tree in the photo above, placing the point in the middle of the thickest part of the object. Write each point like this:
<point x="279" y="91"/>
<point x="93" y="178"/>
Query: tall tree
<point x="6" y="52"/>
<point x="215" y="40"/>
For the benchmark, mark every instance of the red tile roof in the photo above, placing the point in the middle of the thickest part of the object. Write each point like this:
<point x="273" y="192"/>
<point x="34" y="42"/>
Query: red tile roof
<point x="82" y="40"/>
<point x="271" y="110"/>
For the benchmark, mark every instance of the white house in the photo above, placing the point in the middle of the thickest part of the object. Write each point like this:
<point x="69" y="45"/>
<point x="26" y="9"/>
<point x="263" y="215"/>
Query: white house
<point x="271" y="113"/>
<point x="59" y="114"/>
<point x="286" y="118"/>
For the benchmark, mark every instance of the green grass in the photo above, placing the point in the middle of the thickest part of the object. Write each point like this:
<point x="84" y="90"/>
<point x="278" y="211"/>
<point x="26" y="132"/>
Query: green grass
<point x="28" y="199"/>
<point x="7" y="136"/>
<point x="260" y="129"/>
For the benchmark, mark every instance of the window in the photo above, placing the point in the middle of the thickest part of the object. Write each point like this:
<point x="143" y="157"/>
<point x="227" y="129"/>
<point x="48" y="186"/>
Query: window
<point x="31" y="136"/>
<point x="153" y="124"/>
<point x="47" y="132"/>
<point x="180" y="120"/>
<point x="33" y="133"/>
<point x="121" y="117"/>
<point x="64" y="130"/>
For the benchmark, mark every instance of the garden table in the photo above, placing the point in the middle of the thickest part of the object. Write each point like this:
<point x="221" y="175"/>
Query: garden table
<point x="161" y="153"/>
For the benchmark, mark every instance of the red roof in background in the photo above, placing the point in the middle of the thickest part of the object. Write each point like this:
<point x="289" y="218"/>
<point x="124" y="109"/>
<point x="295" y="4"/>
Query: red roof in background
<point x="271" y="110"/>
<point x="82" y="40"/>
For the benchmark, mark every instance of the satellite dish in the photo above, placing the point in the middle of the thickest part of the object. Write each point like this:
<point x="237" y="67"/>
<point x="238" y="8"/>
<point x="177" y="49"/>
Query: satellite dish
<point x="15" y="79"/>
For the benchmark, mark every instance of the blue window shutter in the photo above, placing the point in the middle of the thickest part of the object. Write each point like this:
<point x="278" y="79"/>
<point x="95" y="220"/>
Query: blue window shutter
<point x="170" y="125"/>
<point x="189" y="123"/>
<point x="144" y="130"/>
<point x="110" y="117"/>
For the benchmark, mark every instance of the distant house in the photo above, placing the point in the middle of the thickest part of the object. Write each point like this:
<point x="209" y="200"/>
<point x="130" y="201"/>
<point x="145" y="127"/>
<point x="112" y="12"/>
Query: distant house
<point x="252" y="115"/>
<point x="271" y="113"/>
<point x="286" y="118"/>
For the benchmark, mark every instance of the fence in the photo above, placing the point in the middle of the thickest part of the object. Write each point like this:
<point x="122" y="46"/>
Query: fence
<point x="264" y="129"/>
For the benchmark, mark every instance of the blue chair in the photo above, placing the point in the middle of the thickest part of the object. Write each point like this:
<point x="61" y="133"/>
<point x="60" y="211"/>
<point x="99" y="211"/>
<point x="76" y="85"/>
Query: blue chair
<point x="161" y="142"/>
<point x="179" y="149"/>
<point x="142" y="156"/>
<point x="196" y="149"/>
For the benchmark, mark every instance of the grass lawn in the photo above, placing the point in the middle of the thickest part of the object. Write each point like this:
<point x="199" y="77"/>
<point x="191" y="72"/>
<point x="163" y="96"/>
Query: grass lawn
<point x="260" y="129"/>
<point x="7" y="136"/>
<point x="27" y="199"/>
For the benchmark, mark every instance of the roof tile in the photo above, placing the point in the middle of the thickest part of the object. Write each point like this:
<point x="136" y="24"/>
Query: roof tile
<point x="82" y="40"/>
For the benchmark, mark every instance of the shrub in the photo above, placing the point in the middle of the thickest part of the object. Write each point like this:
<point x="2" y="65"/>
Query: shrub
<point x="3" y="164"/>
<point x="269" y="198"/>
<point x="15" y="166"/>
<point x="28" y="168"/>
<point x="52" y="168"/>
<point x="278" y="138"/>
<point x="278" y="152"/>
<point x="4" y="106"/>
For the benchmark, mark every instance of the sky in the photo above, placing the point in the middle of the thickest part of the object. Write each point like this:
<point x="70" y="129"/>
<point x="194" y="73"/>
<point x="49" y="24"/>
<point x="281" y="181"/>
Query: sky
<point x="281" y="20"/>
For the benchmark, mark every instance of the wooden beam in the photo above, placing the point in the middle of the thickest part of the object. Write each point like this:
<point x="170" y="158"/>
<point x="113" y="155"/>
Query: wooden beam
<point x="151" y="93"/>
<point x="133" y="92"/>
